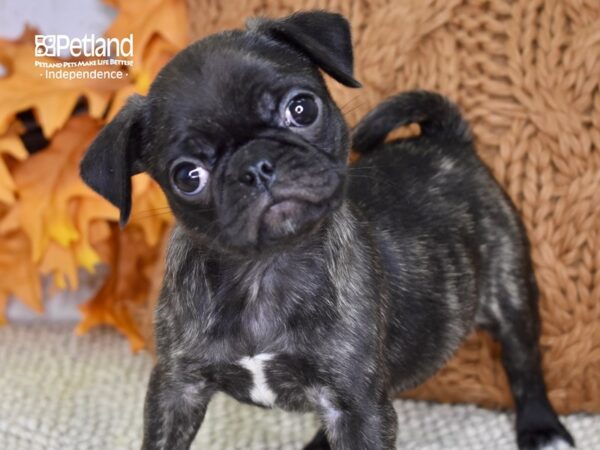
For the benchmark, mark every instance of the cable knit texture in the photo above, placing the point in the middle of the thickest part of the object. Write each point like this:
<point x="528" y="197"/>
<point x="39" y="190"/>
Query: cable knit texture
<point x="526" y="74"/>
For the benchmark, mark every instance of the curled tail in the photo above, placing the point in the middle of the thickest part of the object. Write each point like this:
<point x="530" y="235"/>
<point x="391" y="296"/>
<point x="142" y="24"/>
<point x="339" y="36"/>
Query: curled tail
<point x="437" y="116"/>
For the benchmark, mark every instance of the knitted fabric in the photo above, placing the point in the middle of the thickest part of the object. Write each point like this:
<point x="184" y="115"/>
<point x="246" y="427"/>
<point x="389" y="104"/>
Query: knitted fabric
<point x="526" y="74"/>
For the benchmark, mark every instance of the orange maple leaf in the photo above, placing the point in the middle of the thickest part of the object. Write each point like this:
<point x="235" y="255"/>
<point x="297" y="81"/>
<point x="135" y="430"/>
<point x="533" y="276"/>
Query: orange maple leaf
<point x="48" y="218"/>
<point x="146" y="19"/>
<point x="160" y="30"/>
<point x="46" y="183"/>
<point x="25" y="87"/>
<point x="11" y="146"/>
<point x="125" y="292"/>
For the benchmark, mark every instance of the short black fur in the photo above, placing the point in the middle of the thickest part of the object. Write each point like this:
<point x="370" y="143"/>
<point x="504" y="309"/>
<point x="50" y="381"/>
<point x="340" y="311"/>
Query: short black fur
<point x="297" y="282"/>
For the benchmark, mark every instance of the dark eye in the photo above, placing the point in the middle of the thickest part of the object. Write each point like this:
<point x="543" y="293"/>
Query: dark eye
<point x="189" y="178"/>
<point x="301" y="111"/>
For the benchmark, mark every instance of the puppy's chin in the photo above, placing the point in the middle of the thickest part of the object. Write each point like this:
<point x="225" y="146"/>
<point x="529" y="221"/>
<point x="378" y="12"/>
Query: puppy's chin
<point x="288" y="219"/>
<point x="278" y="225"/>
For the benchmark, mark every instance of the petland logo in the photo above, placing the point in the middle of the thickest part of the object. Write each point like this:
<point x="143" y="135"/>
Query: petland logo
<point x="88" y="46"/>
<point x="93" y="57"/>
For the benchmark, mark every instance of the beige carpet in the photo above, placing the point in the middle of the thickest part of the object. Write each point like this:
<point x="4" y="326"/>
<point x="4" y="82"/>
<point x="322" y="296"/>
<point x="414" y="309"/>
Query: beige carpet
<point x="58" y="391"/>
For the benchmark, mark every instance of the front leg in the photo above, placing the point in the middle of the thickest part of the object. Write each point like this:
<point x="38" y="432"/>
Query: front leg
<point x="355" y="422"/>
<point x="174" y="410"/>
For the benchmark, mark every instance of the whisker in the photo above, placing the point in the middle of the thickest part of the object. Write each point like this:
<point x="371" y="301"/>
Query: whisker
<point x="355" y="169"/>
<point x="348" y="102"/>
<point x="345" y="169"/>
<point x="150" y="216"/>
<point x="360" y="105"/>
<point x="162" y="208"/>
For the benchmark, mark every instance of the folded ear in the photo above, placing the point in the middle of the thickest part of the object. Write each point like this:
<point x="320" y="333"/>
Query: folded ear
<point x="322" y="36"/>
<point x="114" y="157"/>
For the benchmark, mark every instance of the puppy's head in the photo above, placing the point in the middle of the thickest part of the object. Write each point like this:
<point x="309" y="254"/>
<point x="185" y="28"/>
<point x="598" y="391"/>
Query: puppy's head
<point x="240" y="132"/>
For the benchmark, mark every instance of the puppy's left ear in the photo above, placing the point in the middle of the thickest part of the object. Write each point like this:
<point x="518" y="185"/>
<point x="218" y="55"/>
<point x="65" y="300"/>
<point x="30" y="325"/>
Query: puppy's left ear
<point x="322" y="36"/>
<point x="114" y="157"/>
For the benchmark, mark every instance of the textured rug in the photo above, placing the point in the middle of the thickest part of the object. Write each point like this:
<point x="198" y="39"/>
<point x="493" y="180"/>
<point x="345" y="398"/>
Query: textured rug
<point x="61" y="392"/>
<point x="526" y="73"/>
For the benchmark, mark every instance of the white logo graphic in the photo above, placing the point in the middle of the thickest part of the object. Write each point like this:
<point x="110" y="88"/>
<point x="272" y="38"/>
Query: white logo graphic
<point x="88" y="46"/>
<point x="99" y="52"/>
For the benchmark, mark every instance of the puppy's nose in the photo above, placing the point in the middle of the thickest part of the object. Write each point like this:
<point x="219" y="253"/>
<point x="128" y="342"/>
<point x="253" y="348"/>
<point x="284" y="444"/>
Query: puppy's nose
<point x="260" y="172"/>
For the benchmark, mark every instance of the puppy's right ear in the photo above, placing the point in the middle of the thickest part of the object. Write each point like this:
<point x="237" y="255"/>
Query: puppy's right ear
<point x="322" y="36"/>
<point x="114" y="157"/>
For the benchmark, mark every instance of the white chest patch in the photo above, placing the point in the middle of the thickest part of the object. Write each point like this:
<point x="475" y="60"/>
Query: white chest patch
<point x="260" y="392"/>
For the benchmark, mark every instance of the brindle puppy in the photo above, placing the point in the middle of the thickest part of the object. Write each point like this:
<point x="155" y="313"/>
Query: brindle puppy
<point x="293" y="281"/>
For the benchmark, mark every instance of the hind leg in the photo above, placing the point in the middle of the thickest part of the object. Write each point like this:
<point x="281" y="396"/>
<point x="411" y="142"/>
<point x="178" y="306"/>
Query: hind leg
<point x="514" y="322"/>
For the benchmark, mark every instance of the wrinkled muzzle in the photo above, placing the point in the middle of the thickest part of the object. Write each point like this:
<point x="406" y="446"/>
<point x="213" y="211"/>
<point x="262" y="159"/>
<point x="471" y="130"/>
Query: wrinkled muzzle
<point x="275" y="189"/>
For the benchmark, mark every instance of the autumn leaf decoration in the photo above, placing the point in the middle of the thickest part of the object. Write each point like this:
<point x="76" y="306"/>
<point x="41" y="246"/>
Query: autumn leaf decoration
<point x="51" y="223"/>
